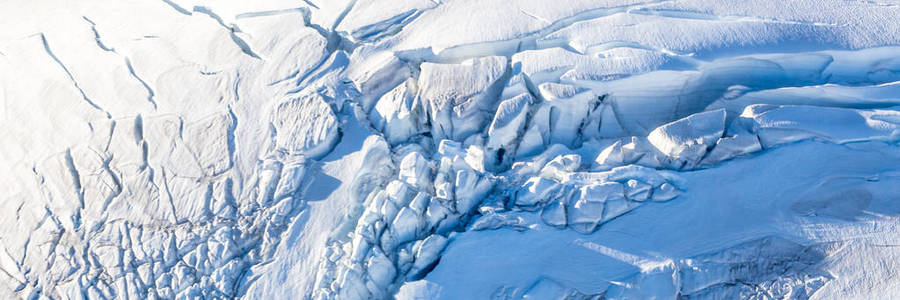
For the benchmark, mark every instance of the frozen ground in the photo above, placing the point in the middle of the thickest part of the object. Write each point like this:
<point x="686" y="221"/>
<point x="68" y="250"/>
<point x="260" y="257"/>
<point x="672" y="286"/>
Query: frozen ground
<point x="464" y="149"/>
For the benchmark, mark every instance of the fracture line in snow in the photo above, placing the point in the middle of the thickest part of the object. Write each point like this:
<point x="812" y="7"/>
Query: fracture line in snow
<point x="207" y="11"/>
<point x="76" y="177"/>
<point x="311" y="4"/>
<point x="232" y="30"/>
<point x="71" y="78"/>
<point x="307" y="21"/>
<point x="97" y="35"/>
<point x="373" y="33"/>
<point x="237" y="96"/>
<point x="150" y="92"/>
<point x="596" y="49"/>
<point x="534" y="16"/>
<point x="117" y="183"/>
<point x="103" y="46"/>
<point x="267" y="13"/>
<point x="286" y="78"/>
<point x="243" y="45"/>
<point x="343" y="15"/>
<point x="177" y="7"/>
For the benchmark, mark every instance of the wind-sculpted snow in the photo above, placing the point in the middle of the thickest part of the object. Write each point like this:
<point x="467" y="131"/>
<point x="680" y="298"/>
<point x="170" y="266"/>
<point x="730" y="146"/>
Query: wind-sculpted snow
<point x="449" y="149"/>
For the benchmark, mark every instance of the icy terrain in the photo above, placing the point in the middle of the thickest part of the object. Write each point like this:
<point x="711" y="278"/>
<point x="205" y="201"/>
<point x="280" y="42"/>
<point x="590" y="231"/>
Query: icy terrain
<point x="450" y="149"/>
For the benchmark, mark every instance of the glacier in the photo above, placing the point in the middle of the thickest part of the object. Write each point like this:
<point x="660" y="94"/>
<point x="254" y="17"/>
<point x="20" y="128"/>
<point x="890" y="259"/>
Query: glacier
<point x="450" y="149"/>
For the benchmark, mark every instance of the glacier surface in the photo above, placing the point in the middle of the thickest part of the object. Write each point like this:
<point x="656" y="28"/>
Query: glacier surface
<point x="450" y="149"/>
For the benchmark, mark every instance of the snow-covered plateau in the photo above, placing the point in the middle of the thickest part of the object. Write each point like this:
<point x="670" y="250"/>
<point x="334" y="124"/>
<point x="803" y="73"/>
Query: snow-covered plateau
<point x="450" y="149"/>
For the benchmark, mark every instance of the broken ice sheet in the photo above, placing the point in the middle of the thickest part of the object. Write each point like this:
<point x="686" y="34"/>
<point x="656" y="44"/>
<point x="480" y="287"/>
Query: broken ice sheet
<point x="458" y="149"/>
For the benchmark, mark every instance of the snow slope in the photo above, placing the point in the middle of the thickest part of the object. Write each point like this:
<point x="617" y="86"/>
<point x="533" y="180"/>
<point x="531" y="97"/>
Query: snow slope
<point x="449" y="149"/>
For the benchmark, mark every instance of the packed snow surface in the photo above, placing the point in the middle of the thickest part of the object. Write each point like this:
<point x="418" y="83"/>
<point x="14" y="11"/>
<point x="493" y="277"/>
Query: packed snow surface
<point x="454" y="149"/>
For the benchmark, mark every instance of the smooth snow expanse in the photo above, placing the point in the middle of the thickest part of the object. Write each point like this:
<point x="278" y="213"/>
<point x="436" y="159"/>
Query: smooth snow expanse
<point x="456" y="149"/>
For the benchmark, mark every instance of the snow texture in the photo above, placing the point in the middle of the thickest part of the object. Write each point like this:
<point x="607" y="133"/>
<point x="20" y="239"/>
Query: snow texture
<point x="414" y="149"/>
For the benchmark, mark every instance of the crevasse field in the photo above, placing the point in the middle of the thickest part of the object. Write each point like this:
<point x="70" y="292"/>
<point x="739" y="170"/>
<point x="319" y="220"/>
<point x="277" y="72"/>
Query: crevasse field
<point x="450" y="149"/>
